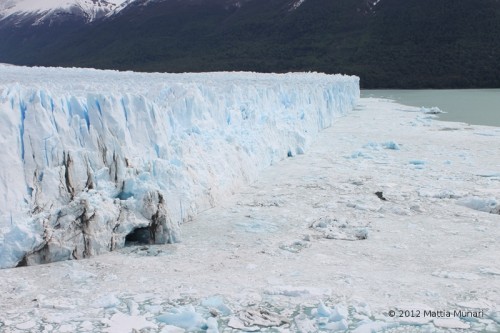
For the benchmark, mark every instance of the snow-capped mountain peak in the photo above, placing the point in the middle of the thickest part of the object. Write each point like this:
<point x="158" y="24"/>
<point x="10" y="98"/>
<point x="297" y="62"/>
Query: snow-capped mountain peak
<point x="41" y="10"/>
<point x="296" y="4"/>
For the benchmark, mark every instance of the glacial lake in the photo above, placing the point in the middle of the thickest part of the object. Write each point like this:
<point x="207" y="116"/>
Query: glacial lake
<point x="472" y="106"/>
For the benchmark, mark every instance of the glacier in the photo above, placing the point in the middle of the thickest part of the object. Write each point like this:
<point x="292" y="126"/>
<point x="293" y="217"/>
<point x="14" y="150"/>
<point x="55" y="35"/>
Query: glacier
<point x="89" y="156"/>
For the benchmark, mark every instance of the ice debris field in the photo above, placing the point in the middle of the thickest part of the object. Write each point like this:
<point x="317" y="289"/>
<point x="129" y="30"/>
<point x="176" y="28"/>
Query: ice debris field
<point x="387" y="220"/>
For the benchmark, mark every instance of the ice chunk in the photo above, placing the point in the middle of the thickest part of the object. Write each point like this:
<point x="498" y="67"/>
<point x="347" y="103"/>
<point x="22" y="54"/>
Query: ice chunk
<point x="255" y="317"/>
<point x="305" y="325"/>
<point x="391" y="145"/>
<point x="431" y="110"/>
<point x="217" y="303"/>
<point x="107" y="301"/>
<point x="184" y="317"/>
<point x="323" y="310"/>
<point x="385" y="145"/>
<point x="488" y="205"/>
<point x="26" y="325"/>
<point x="338" y="326"/>
<point x="236" y="323"/>
<point x="333" y="228"/>
<point x="490" y="271"/>
<point x="372" y="146"/>
<point x="360" y="154"/>
<point x="212" y="325"/>
<point x="172" y="329"/>
<point x="332" y="319"/>
<point x="121" y="322"/>
<point x="369" y="326"/>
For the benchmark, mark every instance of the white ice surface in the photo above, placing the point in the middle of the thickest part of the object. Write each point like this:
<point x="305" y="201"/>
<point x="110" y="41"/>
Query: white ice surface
<point x="262" y="258"/>
<point x="91" y="155"/>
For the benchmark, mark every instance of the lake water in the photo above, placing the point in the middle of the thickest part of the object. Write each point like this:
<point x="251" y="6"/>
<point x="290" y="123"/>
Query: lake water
<point x="472" y="106"/>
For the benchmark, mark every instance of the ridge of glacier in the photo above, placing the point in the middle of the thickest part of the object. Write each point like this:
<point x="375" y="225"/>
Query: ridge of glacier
<point x="89" y="156"/>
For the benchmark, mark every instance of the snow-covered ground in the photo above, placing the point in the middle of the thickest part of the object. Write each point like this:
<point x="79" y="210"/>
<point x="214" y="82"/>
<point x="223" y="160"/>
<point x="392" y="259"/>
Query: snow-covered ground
<point x="389" y="210"/>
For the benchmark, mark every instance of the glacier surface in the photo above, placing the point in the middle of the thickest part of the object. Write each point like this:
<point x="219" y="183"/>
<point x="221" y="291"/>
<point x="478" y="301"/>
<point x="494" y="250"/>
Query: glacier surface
<point x="90" y="156"/>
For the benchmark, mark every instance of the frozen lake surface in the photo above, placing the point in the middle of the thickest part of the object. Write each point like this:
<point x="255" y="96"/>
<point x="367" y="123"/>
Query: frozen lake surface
<point x="390" y="210"/>
<point x="473" y="106"/>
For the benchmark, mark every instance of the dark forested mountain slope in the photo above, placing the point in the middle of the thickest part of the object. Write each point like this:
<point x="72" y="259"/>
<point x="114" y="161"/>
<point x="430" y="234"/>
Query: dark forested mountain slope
<point x="400" y="44"/>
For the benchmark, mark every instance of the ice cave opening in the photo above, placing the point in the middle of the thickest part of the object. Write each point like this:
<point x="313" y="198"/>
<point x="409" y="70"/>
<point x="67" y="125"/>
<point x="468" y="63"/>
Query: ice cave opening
<point x="139" y="236"/>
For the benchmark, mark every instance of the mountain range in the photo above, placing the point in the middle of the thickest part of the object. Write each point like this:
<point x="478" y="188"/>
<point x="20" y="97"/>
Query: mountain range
<point x="388" y="43"/>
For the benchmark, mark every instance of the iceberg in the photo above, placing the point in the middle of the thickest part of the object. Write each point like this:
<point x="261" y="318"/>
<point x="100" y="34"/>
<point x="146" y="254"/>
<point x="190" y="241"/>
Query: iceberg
<point x="91" y="156"/>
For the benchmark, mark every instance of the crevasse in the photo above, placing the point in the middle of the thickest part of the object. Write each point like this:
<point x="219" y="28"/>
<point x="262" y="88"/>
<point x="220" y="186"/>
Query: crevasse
<point x="89" y="156"/>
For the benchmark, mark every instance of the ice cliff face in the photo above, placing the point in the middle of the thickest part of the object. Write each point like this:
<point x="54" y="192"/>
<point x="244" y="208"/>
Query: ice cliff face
<point x="89" y="156"/>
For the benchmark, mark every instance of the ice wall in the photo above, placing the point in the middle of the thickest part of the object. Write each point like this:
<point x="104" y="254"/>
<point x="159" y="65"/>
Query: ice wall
<point x="88" y="156"/>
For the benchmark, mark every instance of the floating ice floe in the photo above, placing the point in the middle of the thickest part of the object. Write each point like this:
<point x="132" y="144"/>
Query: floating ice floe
<point x="217" y="303"/>
<point x="120" y="322"/>
<point x="184" y="317"/>
<point x="332" y="319"/>
<point x="431" y="110"/>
